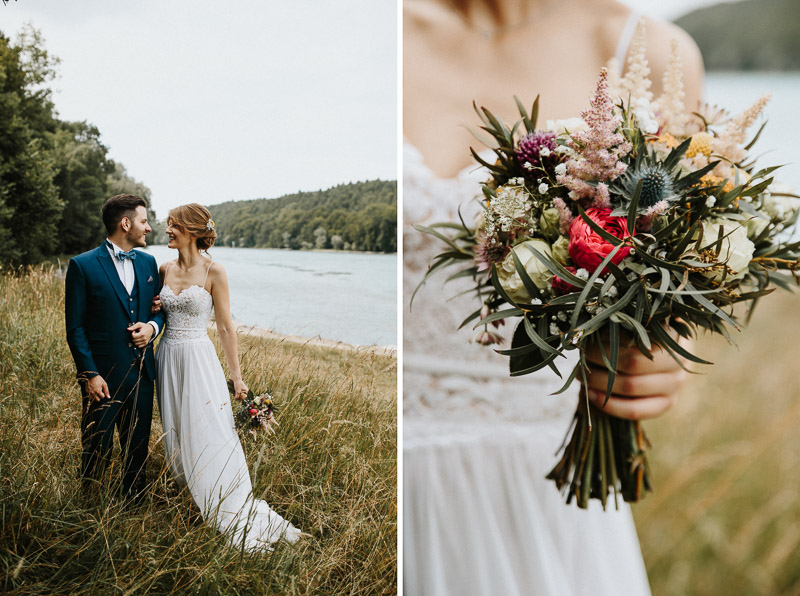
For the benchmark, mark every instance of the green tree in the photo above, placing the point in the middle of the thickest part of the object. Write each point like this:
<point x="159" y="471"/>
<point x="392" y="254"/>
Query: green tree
<point x="29" y="202"/>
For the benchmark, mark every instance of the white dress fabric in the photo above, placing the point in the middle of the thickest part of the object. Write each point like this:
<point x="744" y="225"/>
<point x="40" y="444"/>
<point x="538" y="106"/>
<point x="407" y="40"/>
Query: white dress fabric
<point x="479" y="517"/>
<point x="201" y="444"/>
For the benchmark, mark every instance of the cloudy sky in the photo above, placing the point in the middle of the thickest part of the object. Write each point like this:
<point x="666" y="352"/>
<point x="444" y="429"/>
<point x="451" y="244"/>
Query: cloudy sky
<point x="210" y="101"/>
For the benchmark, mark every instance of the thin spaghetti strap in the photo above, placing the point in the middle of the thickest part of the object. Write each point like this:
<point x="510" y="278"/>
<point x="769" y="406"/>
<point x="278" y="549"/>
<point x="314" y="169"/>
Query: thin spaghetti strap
<point x="166" y="269"/>
<point x="206" y="277"/>
<point x="625" y="39"/>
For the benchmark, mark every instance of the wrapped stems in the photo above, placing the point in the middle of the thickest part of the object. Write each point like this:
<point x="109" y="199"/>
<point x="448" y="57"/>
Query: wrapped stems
<point x="603" y="455"/>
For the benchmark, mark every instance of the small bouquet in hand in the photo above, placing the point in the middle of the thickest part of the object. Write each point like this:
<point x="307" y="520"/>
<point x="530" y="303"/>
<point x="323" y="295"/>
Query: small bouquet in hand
<point x="256" y="412"/>
<point x="636" y="224"/>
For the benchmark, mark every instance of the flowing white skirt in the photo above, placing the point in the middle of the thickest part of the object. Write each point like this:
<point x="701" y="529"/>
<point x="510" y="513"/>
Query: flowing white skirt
<point x="202" y="446"/>
<point x="481" y="519"/>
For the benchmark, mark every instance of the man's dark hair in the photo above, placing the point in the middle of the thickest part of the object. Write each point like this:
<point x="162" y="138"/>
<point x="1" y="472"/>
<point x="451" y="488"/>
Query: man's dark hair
<point x="119" y="206"/>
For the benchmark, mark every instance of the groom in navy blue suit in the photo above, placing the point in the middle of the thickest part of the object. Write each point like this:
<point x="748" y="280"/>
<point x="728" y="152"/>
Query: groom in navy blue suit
<point x="110" y="332"/>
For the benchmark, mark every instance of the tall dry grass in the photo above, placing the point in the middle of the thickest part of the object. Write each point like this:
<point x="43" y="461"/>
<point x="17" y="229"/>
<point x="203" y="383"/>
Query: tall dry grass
<point x="725" y="517"/>
<point x="330" y="469"/>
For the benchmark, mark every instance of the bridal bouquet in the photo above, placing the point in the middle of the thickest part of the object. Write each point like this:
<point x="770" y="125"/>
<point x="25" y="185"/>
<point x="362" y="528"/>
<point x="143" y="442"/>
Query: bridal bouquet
<point x="636" y="224"/>
<point x="256" y="413"/>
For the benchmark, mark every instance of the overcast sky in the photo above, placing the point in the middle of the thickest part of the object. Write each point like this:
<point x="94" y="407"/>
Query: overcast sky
<point x="208" y="101"/>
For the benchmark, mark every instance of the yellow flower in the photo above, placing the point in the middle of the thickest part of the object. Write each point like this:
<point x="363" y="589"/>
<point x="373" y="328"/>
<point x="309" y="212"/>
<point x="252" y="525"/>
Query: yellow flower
<point x="701" y="143"/>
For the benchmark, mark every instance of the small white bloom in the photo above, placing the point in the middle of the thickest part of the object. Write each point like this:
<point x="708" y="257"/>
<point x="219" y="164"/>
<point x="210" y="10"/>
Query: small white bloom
<point x="536" y="301"/>
<point x="582" y="274"/>
<point x="562" y="316"/>
<point x="554" y="330"/>
<point x="544" y="152"/>
<point x="613" y="292"/>
<point x="528" y="166"/>
<point x="711" y="201"/>
<point x="543" y="188"/>
<point x="561" y="169"/>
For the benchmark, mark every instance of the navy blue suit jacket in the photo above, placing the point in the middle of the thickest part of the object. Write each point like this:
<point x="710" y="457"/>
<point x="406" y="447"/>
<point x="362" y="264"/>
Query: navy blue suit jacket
<point x="99" y="310"/>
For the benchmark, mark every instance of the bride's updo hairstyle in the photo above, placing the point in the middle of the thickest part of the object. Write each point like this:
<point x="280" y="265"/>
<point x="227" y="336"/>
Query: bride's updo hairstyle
<point x="194" y="219"/>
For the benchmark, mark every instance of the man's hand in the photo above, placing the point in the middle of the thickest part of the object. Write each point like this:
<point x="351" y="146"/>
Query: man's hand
<point x="642" y="389"/>
<point x="97" y="388"/>
<point x="141" y="333"/>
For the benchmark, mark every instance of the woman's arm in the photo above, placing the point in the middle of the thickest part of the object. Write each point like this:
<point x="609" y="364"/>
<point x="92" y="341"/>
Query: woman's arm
<point x="220" y="292"/>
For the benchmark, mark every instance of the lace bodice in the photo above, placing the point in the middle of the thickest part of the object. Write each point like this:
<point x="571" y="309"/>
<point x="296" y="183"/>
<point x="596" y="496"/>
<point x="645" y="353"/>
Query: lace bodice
<point x="446" y="377"/>
<point x="187" y="313"/>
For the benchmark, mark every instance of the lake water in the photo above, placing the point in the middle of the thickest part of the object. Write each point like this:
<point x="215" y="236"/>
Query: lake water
<point x="779" y="143"/>
<point x="343" y="296"/>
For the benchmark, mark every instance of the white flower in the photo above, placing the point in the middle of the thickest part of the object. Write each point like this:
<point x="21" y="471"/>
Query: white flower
<point x="613" y="292"/>
<point x="561" y="169"/>
<point x="568" y="125"/>
<point x="510" y="203"/>
<point x="582" y="274"/>
<point x="543" y="188"/>
<point x="779" y="207"/>
<point x="737" y="249"/>
<point x="536" y="270"/>
<point x="711" y="201"/>
<point x="544" y="152"/>
<point x="554" y="330"/>
<point x="528" y="166"/>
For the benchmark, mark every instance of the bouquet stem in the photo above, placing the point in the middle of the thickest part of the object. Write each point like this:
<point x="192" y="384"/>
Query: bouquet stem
<point x="603" y="455"/>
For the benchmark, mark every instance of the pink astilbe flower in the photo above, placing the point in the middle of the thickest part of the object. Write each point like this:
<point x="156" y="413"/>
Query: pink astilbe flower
<point x="565" y="216"/>
<point x="636" y="82"/>
<point x="670" y="106"/>
<point x="645" y="221"/>
<point x="598" y="149"/>
<point x="729" y="143"/>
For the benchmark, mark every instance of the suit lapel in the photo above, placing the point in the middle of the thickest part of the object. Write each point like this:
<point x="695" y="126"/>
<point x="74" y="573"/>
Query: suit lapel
<point x="113" y="277"/>
<point x="145" y="297"/>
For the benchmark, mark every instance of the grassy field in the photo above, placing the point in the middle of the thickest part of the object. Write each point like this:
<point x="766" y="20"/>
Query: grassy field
<point x="331" y="469"/>
<point x="725" y="517"/>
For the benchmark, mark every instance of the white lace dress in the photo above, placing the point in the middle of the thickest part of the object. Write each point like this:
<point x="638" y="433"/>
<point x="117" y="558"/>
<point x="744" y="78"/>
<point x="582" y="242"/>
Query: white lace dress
<point x="479" y="517"/>
<point x="200" y="440"/>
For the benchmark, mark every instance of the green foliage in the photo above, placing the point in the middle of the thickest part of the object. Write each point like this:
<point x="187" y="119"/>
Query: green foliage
<point x="54" y="175"/>
<point x="747" y="35"/>
<point x="29" y="203"/>
<point x="357" y="216"/>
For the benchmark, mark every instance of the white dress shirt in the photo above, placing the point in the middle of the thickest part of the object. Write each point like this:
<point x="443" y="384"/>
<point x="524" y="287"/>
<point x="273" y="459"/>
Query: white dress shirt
<point x="126" y="273"/>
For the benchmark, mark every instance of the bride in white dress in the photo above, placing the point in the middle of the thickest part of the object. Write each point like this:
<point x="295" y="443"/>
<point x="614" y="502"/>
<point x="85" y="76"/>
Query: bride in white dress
<point x="478" y="515"/>
<point x="201" y="444"/>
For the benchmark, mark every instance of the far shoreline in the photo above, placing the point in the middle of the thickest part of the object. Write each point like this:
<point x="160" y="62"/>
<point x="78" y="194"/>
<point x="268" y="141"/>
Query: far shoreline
<point x="318" y="341"/>
<point x="323" y="250"/>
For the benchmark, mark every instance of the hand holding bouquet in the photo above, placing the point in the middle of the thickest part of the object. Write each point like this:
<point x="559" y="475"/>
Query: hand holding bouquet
<point x="636" y="224"/>
<point x="256" y="413"/>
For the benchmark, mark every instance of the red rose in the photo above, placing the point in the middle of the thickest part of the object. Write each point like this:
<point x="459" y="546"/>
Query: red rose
<point x="561" y="287"/>
<point x="586" y="248"/>
<point x="253" y="412"/>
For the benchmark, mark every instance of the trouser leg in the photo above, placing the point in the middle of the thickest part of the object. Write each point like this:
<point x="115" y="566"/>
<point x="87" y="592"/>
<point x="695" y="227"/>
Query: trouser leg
<point x="136" y="416"/>
<point x="97" y="435"/>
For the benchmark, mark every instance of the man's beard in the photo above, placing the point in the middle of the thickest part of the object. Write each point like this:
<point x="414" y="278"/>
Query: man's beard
<point x="137" y="240"/>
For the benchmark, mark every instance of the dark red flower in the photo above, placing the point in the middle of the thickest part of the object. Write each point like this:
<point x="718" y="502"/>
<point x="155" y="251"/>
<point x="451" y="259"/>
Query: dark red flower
<point x="586" y="248"/>
<point x="561" y="287"/>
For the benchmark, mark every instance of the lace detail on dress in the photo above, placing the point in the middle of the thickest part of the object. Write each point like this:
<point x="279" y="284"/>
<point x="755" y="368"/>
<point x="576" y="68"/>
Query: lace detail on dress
<point x="444" y="375"/>
<point x="187" y="313"/>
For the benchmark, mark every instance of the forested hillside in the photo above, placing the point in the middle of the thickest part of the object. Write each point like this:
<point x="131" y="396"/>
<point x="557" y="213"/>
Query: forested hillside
<point x="747" y="35"/>
<point x="54" y="174"/>
<point x="358" y="216"/>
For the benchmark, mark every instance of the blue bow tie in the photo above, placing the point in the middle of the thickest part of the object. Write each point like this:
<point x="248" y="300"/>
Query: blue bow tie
<point x="122" y="255"/>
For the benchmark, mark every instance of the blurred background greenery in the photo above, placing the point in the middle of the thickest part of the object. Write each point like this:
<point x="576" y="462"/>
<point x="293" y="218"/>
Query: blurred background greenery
<point x="725" y="516"/>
